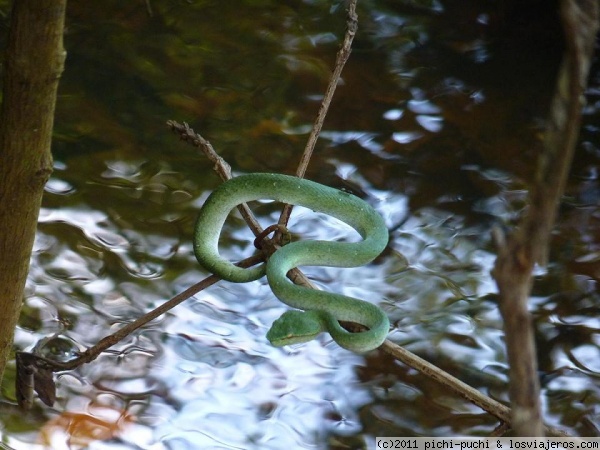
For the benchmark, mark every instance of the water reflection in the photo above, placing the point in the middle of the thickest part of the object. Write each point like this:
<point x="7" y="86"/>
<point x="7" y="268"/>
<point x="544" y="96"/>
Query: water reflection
<point x="427" y="127"/>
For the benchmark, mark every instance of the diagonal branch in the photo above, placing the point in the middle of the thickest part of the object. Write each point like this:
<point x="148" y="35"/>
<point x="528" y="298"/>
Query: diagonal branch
<point x="528" y="245"/>
<point x="491" y="406"/>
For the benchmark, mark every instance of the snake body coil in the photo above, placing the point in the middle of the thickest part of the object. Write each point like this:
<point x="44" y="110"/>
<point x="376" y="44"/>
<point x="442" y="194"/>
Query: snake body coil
<point x="320" y="310"/>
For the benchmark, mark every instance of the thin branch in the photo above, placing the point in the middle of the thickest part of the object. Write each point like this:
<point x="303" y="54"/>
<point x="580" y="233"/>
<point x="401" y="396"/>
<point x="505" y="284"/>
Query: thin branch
<point x="221" y="167"/>
<point x="529" y="243"/>
<point x="93" y="352"/>
<point x="341" y="58"/>
<point x="491" y="406"/>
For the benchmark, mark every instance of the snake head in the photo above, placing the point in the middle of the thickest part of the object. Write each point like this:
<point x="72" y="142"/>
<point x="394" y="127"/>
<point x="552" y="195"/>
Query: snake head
<point x="295" y="327"/>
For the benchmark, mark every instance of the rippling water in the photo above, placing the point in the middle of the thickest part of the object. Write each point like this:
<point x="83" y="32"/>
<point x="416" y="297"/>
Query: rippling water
<point x="432" y="125"/>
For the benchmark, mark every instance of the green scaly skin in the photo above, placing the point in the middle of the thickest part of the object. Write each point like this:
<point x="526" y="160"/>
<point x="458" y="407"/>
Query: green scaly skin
<point x="320" y="310"/>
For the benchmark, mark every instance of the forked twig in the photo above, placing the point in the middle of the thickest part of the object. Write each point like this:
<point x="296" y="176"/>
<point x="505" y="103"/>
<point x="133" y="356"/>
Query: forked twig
<point x="223" y="169"/>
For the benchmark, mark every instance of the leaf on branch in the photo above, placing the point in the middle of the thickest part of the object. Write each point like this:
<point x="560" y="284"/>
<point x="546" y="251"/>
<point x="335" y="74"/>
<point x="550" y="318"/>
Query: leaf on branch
<point x="33" y="374"/>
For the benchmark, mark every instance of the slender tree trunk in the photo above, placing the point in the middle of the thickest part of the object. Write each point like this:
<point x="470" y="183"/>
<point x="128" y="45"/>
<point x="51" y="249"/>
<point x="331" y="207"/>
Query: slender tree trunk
<point x="33" y="64"/>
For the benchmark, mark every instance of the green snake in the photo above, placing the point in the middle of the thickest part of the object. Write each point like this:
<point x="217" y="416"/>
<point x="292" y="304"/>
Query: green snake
<point x="320" y="310"/>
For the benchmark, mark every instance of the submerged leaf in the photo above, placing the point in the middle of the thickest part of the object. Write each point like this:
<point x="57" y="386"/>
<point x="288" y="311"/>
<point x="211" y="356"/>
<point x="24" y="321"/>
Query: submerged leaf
<point x="99" y="423"/>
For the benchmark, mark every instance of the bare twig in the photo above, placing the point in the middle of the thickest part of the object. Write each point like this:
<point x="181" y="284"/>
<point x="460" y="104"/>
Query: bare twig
<point x="149" y="8"/>
<point x="341" y="58"/>
<point x="221" y="167"/>
<point x="529" y="243"/>
<point x="93" y="352"/>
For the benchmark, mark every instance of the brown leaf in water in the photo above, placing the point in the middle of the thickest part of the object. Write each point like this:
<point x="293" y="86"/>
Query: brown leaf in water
<point x="45" y="386"/>
<point x="79" y="429"/>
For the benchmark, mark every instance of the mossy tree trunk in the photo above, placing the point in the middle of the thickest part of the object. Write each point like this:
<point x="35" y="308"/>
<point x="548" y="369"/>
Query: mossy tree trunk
<point x="33" y="64"/>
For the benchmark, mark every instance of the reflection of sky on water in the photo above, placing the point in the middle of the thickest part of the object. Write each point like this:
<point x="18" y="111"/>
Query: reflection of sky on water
<point x="414" y="132"/>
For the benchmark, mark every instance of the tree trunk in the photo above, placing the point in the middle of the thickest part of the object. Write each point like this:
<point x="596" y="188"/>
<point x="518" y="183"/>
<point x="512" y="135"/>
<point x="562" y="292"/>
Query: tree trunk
<point x="33" y="64"/>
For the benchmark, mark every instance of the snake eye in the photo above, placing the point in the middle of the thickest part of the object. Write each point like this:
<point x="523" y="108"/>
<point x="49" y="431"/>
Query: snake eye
<point x="294" y="327"/>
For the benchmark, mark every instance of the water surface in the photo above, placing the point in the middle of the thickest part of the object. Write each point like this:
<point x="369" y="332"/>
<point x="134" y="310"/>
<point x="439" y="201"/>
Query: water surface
<point x="435" y="125"/>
